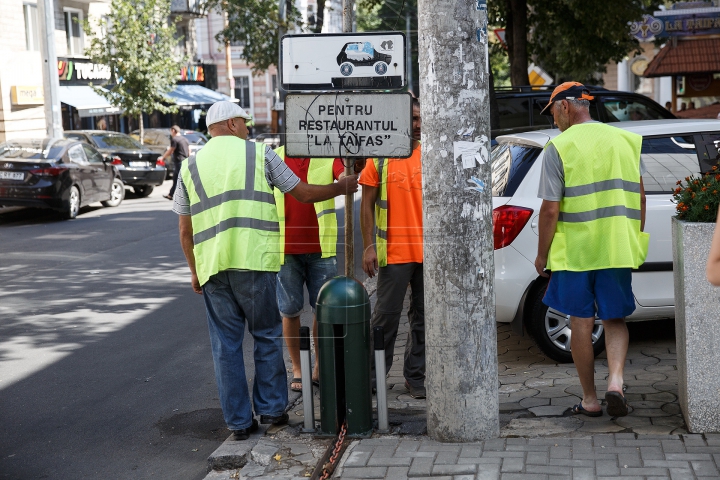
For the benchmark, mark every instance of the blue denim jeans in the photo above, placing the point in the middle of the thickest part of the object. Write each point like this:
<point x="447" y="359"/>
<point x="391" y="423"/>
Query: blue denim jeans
<point x="233" y="298"/>
<point x="302" y="269"/>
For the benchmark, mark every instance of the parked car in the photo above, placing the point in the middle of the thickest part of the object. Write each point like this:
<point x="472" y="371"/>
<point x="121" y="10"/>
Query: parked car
<point x="138" y="166"/>
<point x="671" y="151"/>
<point x="61" y="174"/>
<point x="158" y="140"/>
<point x="520" y="108"/>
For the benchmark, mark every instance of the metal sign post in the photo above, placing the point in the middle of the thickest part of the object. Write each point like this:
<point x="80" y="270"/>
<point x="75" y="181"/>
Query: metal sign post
<point x="348" y="20"/>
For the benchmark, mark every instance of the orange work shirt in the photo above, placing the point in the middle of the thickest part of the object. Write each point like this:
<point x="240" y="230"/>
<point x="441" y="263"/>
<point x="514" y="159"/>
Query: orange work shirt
<point x="404" y="198"/>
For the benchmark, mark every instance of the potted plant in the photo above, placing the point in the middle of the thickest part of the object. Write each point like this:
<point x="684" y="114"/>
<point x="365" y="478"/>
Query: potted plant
<point x="697" y="303"/>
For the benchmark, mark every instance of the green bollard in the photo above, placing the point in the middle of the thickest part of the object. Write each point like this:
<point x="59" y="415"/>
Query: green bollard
<point x="343" y="316"/>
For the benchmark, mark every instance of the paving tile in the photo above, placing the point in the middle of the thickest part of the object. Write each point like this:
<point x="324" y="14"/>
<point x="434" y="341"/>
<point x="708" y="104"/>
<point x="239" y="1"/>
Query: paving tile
<point x="548" y="410"/>
<point x="643" y="471"/>
<point x="421" y="467"/>
<point x="523" y="476"/>
<point x="534" y="401"/>
<point x="389" y="462"/>
<point x="364" y="472"/>
<point x="705" y="469"/>
<point x="511" y="464"/>
<point x="560" y="452"/>
<point x="607" y="467"/>
<point x="397" y="473"/>
<point x="408" y="446"/>
<point x="357" y="459"/>
<point x="651" y="453"/>
<point x="688" y="456"/>
<point x="680" y="473"/>
<point x="537" y="458"/>
<point x="471" y="451"/>
<point x="582" y="473"/>
<point x="546" y="469"/>
<point x="673" y="446"/>
<point x="453" y="469"/>
<point x="629" y="460"/>
<point x="446" y="458"/>
<point x="667" y="463"/>
<point x="564" y="462"/>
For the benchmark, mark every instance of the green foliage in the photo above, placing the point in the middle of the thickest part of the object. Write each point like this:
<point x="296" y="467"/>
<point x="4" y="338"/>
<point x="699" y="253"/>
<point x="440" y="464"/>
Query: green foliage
<point x="699" y="198"/>
<point x="139" y="49"/>
<point x="575" y="39"/>
<point x="500" y="65"/>
<point x="368" y="17"/>
<point x="255" y="25"/>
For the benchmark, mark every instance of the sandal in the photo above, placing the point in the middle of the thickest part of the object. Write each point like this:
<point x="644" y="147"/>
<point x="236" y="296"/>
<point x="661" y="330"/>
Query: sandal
<point x="298" y="381"/>
<point x="617" y="405"/>
<point x="580" y="410"/>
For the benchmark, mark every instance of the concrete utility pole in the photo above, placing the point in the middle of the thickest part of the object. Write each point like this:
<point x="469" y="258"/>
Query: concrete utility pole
<point x="228" y="58"/>
<point x="281" y="91"/>
<point x="348" y="17"/>
<point x="51" y="82"/>
<point x="460" y="342"/>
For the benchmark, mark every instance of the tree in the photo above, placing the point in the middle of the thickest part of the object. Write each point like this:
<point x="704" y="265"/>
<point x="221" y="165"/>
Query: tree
<point x="138" y="46"/>
<point x="255" y="25"/>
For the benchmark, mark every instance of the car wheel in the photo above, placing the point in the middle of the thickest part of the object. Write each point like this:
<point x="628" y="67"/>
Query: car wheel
<point x="117" y="194"/>
<point x="143" y="190"/>
<point x="73" y="205"/>
<point x="551" y="329"/>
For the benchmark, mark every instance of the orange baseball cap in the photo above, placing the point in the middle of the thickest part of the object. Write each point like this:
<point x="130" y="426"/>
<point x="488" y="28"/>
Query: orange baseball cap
<point x="568" y="90"/>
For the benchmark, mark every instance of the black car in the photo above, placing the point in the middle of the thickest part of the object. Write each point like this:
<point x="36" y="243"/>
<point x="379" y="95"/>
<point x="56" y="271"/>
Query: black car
<point x="520" y="108"/>
<point x="138" y="165"/>
<point x="158" y="140"/>
<point x="61" y="174"/>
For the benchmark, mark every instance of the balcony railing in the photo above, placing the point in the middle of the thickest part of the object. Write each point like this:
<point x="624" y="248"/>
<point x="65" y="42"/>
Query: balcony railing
<point x="191" y="7"/>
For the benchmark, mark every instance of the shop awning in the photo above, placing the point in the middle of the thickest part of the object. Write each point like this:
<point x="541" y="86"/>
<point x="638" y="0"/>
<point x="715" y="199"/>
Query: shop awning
<point x="690" y="55"/>
<point x="196" y="95"/>
<point x="87" y="102"/>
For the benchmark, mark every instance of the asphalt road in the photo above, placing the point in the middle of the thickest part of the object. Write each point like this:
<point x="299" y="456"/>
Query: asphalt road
<point x="105" y="364"/>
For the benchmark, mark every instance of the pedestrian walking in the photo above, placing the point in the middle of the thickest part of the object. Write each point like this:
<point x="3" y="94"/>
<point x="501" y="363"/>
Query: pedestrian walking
<point x="229" y="231"/>
<point x="391" y="223"/>
<point x="308" y="238"/>
<point x="713" y="262"/>
<point x="591" y="235"/>
<point x="179" y="149"/>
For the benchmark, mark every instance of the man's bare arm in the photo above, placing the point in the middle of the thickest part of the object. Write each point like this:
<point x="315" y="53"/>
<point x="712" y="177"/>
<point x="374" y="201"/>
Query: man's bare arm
<point x="367" y="226"/>
<point x="187" y="243"/>
<point x="713" y="263"/>
<point x="549" y="213"/>
<point x="306" y="193"/>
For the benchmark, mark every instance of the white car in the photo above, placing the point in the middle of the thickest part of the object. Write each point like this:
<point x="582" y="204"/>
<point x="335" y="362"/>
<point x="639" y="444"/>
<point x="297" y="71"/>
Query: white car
<point x="671" y="150"/>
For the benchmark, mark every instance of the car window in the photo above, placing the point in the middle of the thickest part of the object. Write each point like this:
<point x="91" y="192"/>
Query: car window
<point x="631" y="109"/>
<point x="76" y="154"/>
<point x="708" y="151"/>
<point x="76" y="136"/>
<point x="510" y="163"/>
<point x="667" y="160"/>
<point x="107" y="140"/>
<point x="92" y="155"/>
<point x="195" y="138"/>
<point x="514" y="112"/>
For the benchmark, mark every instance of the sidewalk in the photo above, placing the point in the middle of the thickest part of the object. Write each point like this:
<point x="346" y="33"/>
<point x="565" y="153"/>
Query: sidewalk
<point x="540" y="439"/>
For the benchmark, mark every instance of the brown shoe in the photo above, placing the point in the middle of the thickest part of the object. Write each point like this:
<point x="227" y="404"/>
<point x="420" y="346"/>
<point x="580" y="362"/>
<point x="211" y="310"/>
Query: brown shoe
<point x="415" y="392"/>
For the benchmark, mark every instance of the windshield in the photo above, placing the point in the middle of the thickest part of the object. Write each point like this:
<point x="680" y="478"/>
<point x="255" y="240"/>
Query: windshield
<point x="195" y="138"/>
<point x="114" y="141"/>
<point x="510" y="163"/>
<point x="31" y="150"/>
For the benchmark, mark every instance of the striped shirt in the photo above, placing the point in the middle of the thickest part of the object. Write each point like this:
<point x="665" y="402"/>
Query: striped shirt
<point x="277" y="174"/>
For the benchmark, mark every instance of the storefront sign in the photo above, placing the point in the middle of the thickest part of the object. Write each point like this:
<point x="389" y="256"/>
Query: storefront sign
<point x="349" y="125"/>
<point x="680" y="25"/>
<point x="81" y="72"/>
<point x="192" y="73"/>
<point x="27" y="95"/>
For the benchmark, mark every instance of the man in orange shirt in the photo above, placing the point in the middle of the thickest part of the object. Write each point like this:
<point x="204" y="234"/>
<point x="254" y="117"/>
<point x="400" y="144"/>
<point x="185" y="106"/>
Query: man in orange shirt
<point x="391" y="222"/>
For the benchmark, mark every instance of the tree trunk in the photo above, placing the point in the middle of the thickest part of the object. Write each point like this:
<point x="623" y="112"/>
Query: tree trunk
<point x="142" y="131"/>
<point x="516" y="39"/>
<point x="458" y="263"/>
<point x="319" y="16"/>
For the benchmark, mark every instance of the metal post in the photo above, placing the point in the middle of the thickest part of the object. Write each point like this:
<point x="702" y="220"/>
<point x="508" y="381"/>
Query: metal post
<point x="281" y="92"/>
<point x="380" y="387"/>
<point x="461" y="339"/>
<point x="306" y="374"/>
<point x="51" y="82"/>
<point x="408" y="53"/>
<point x="348" y="14"/>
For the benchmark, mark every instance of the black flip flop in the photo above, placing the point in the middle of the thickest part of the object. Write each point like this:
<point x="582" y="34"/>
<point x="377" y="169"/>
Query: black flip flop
<point x="580" y="410"/>
<point x="616" y="404"/>
<point x="296" y="380"/>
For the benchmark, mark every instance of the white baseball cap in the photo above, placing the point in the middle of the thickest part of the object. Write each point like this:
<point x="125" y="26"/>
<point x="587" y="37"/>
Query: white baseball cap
<point x="224" y="110"/>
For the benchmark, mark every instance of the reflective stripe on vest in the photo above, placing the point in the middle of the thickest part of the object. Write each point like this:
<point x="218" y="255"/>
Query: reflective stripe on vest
<point x="320" y="172"/>
<point x="381" y="212"/>
<point x="599" y="221"/>
<point x="234" y="218"/>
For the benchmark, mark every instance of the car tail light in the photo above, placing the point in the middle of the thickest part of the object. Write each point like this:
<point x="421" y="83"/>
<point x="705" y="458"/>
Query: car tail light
<point x="116" y="161"/>
<point x="508" y="222"/>
<point x="160" y="163"/>
<point x="48" y="172"/>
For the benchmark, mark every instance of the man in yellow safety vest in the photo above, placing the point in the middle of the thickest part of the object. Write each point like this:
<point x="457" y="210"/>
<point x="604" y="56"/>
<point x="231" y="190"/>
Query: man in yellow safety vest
<point x="591" y="236"/>
<point x="230" y="233"/>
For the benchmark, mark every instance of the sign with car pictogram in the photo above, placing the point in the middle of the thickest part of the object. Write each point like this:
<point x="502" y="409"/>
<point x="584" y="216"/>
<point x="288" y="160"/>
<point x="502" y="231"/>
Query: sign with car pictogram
<point x="343" y="61"/>
<point x="349" y="125"/>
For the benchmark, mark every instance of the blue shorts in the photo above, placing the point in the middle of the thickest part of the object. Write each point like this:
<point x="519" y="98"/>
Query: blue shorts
<point x="606" y="293"/>
<point x="298" y="270"/>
